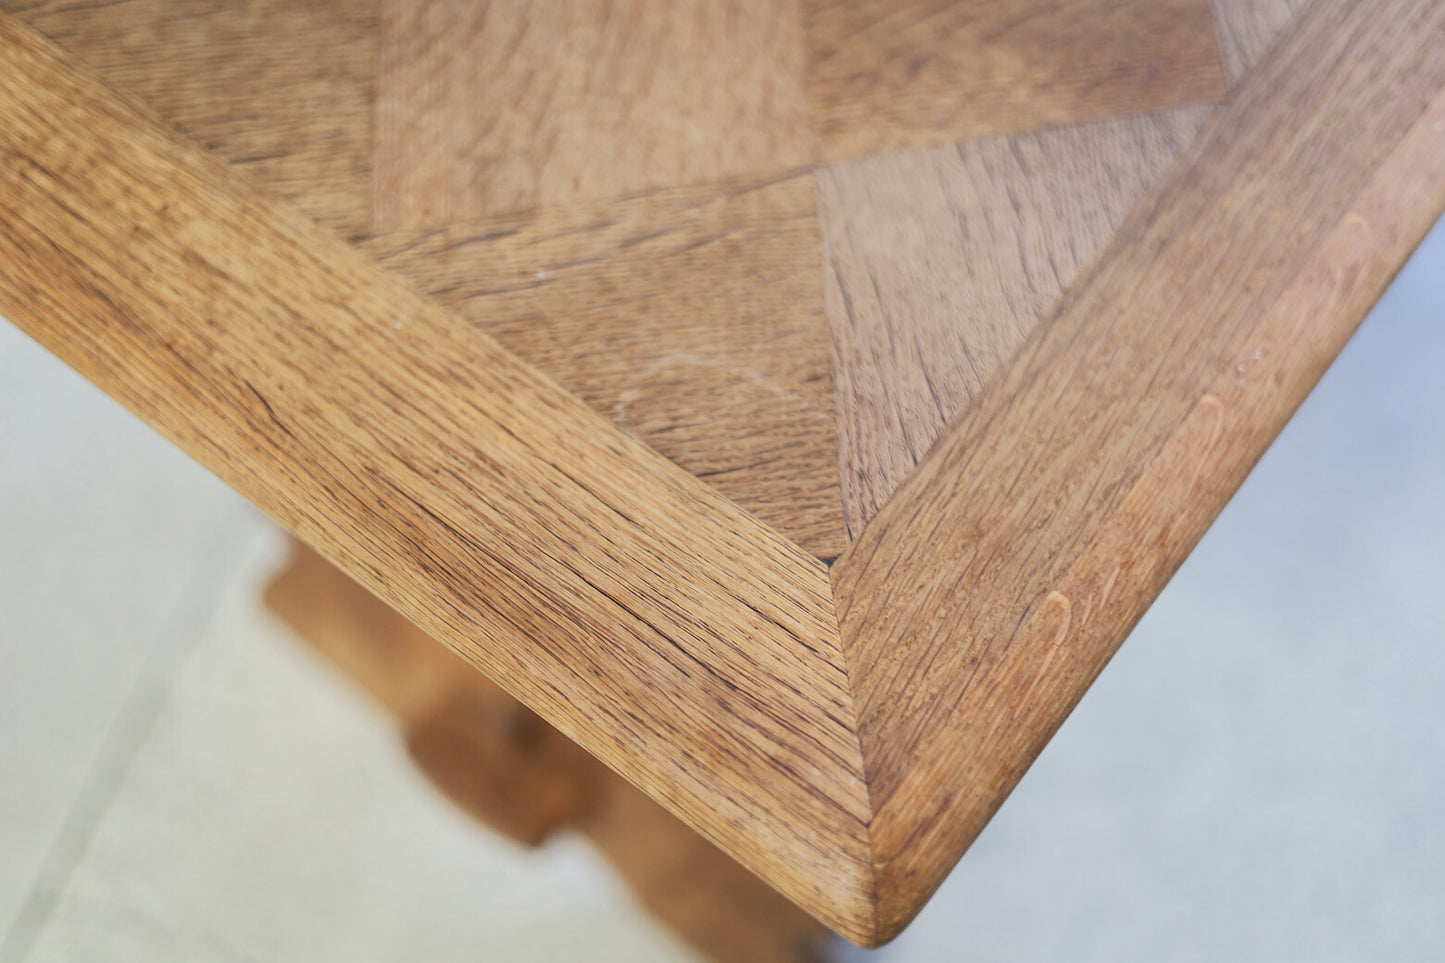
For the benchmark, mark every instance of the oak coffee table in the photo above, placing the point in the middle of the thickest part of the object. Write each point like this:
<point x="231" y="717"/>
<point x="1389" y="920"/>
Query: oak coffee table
<point x="791" y="404"/>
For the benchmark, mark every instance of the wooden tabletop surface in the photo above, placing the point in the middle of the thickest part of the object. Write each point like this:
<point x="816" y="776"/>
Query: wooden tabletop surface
<point x="796" y="403"/>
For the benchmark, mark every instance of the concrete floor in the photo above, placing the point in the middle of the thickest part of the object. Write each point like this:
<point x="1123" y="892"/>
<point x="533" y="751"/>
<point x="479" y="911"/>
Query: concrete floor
<point x="1259" y="775"/>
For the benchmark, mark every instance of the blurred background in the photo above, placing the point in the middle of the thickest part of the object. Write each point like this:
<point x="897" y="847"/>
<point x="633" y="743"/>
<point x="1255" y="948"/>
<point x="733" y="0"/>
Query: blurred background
<point x="1259" y="774"/>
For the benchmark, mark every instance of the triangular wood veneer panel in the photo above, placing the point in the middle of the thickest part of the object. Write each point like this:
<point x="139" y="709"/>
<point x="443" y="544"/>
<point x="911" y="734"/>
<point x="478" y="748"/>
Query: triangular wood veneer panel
<point x="940" y="263"/>
<point x="691" y="317"/>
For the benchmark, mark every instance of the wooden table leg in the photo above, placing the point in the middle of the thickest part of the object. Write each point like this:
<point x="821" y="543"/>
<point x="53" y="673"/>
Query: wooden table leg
<point x="509" y="769"/>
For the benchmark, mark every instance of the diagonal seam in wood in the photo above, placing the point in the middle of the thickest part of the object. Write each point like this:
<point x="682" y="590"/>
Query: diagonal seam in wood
<point x="946" y="598"/>
<point x="652" y="620"/>
<point x="843" y="755"/>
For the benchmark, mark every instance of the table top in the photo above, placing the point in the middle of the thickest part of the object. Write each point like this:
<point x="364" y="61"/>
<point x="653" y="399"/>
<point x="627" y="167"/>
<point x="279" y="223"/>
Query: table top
<point x="801" y="402"/>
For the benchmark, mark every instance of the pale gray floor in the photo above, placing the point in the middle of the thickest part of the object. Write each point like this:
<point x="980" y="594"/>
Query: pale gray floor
<point x="1259" y="775"/>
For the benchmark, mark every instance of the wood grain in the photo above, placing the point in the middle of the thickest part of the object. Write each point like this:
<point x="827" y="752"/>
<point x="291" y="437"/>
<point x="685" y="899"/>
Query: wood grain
<point x="690" y="645"/>
<point x="514" y="104"/>
<point x="939" y="264"/>
<point x="654" y="622"/>
<point x="509" y="769"/>
<point x="1248" y="28"/>
<point x="283" y="90"/>
<point x="481" y="747"/>
<point x="397" y="664"/>
<point x="980" y="603"/>
<point x="691" y="317"/>
<point x="885" y="76"/>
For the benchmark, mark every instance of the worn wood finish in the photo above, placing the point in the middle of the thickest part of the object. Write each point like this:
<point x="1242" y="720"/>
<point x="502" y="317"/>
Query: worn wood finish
<point x="283" y="90"/>
<point x="980" y="603"/>
<point x="512" y="771"/>
<point x="885" y="75"/>
<point x="691" y="317"/>
<point x="651" y="619"/>
<point x="515" y="104"/>
<point x="938" y="265"/>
